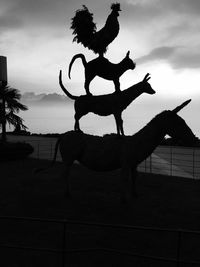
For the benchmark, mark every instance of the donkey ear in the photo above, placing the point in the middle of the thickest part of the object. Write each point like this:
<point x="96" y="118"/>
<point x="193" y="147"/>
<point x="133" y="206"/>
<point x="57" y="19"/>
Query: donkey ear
<point x="177" y="109"/>
<point x="128" y="54"/>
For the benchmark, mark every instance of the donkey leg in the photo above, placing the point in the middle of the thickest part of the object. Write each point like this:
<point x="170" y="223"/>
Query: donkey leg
<point x="124" y="177"/>
<point x="133" y="177"/>
<point x="65" y="175"/>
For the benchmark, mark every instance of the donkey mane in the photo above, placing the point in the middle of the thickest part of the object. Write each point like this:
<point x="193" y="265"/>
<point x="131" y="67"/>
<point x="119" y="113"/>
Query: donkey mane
<point x="153" y="123"/>
<point x="163" y="118"/>
<point x="157" y="120"/>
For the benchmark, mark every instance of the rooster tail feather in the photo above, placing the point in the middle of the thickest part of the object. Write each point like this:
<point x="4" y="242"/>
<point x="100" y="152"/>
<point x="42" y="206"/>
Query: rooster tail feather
<point x="83" y="26"/>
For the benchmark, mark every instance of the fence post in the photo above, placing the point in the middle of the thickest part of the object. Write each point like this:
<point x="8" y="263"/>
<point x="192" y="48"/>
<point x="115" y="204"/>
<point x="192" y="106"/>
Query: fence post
<point x="64" y="245"/>
<point x="145" y="165"/>
<point x="38" y="149"/>
<point x="51" y="151"/>
<point x="193" y="163"/>
<point x="150" y="161"/>
<point x="178" y="256"/>
<point x="171" y="160"/>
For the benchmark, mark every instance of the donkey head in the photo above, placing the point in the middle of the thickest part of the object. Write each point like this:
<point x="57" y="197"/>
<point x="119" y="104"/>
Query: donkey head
<point x="146" y="86"/>
<point x="128" y="63"/>
<point x="177" y="127"/>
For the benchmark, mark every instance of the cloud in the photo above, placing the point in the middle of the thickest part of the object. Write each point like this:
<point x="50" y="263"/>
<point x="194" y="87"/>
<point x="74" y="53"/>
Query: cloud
<point x="168" y="21"/>
<point x="177" y="57"/>
<point x="37" y="39"/>
<point x="49" y="13"/>
<point x="186" y="60"/>
<point x="55" y="14"/>
<point x="48" y="99"/>
<point x="190" y="7"/>
<point x="159" y="53"/>
<point x="7" y="23"/>
<point x="26" y="16"/>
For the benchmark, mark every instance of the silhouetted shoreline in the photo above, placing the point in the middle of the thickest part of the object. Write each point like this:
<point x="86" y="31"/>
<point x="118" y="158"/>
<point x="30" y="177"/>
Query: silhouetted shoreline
<point x="166" y="142"/>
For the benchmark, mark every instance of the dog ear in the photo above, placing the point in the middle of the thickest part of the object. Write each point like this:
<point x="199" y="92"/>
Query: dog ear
<point x="146" y="77"/>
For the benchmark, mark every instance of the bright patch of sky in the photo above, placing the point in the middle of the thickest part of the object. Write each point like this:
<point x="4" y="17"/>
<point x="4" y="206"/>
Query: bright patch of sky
<point x="162" y="35"/>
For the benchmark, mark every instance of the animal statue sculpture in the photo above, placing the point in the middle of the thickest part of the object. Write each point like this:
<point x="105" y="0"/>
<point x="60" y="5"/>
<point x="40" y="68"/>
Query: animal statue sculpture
<point x="85" y="32"/>
<point x="110" y="104"/>
<point x="103" y="68"/>
<point x="111" y="152"/>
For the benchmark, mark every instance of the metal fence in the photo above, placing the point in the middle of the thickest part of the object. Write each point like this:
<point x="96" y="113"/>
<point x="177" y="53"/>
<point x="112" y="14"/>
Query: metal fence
<point x="166" y="160"/>
<point x="177" y="161"/>
<point x="174" y="161"/>
<point x="178" y="239"/>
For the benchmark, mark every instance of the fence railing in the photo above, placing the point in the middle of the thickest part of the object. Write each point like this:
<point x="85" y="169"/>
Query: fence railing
<point x="65" y="250"/>
<point x="174" y="161"/>
<point x="167" y="160"/>
<point x="177" y="161"/>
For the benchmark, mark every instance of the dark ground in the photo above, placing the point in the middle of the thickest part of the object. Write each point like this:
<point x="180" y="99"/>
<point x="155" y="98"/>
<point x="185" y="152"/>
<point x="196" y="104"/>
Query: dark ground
<point x="164" y="202"/>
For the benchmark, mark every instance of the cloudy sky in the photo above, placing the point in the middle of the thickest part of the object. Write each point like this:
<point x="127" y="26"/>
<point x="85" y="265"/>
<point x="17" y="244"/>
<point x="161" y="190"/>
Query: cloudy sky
<point x="162" y="35"/>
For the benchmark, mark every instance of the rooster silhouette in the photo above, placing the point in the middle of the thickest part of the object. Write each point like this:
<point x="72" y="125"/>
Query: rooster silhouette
<point x="85" y="32"/>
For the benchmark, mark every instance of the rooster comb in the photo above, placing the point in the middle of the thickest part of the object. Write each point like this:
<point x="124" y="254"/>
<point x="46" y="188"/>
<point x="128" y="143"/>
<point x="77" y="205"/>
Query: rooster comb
<point x="115" y="6"/>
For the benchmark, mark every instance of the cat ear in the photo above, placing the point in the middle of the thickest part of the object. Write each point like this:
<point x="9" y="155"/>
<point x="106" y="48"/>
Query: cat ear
<point x="128" y="54"/>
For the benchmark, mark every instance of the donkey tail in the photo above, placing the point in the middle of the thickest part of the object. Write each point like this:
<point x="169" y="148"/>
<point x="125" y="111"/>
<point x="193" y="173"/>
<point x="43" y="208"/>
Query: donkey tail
<point x="73" y="97"/>
<point x="82" y="57"/>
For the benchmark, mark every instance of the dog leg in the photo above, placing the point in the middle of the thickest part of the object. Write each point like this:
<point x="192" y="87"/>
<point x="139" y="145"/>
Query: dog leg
<point x="117" y="121"/>
<point x="76" y="125"/>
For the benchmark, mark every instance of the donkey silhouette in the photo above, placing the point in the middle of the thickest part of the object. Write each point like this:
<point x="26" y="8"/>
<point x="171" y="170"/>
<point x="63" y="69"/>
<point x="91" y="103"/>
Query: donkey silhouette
<point x="111" y="152"/>
<point x="103" y="68"/>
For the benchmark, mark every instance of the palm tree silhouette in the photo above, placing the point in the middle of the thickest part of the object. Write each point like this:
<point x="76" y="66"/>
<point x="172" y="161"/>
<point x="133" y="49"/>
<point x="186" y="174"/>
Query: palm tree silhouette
<point x="9" y="106"/>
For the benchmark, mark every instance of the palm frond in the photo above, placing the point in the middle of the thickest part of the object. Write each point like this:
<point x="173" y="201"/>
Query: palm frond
<point x="15" y="120"/>
<point x="15" y="106"/>
<point x="12" y="98"/>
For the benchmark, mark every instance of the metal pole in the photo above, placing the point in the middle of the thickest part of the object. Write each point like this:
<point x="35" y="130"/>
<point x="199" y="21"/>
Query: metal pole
<point x="193" y="163"/>
<point x="38" y="150"/>
<point x="64" y="245"/>
<point x="178" y="256"/>
<point x="150" y="163"/>
<point x="51" y="151"/>
<point x="171" y="160"/>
